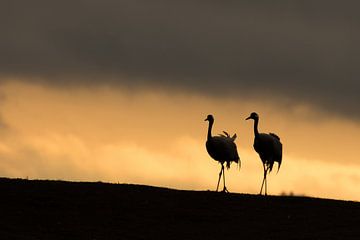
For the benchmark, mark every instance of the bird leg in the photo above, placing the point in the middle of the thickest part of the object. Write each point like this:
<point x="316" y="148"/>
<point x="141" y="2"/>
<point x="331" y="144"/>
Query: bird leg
<point x="262" y="185"/>
<point x="221" y="170"/>
<point x="264" y="180"/>
<point x="266" y="172"/>
<point x="224" y="189"/>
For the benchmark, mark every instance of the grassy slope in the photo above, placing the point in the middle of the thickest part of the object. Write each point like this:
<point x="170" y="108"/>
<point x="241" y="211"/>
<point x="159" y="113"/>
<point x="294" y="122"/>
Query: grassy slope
<point x="68" y="210"/>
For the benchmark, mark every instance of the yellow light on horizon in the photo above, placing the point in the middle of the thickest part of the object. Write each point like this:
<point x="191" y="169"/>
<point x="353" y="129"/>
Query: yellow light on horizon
<point x="157" y="138"/>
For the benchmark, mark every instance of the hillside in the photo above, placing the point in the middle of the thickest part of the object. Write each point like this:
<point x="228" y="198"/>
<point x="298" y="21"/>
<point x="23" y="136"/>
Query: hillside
<point x="34" y="209"/>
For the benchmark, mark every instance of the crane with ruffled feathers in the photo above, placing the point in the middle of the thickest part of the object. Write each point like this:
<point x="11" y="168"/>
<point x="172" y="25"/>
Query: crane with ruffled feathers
<point x="269" y="148"/>
<point x="221" y="148"/>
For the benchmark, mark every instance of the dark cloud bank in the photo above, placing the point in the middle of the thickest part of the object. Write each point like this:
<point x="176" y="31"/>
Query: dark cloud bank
<point x="308" y="51"/>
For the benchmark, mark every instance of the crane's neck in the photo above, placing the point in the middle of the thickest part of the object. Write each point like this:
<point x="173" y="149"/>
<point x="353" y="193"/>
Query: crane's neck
<point x="209" y="130"/>
<point x="256" y="123"/>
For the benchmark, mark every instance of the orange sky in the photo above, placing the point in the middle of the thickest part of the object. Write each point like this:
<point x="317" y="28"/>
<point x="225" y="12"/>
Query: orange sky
<point x="157" y="137"/>
<point x="118" y="91"/>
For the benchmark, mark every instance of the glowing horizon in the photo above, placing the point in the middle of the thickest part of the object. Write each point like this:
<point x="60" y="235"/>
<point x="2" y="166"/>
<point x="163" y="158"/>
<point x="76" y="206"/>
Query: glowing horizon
<point x="157" y="137"/>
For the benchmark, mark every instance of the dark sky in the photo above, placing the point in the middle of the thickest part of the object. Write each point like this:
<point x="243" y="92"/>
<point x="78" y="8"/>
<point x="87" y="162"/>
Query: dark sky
<point x="302" y="51"/>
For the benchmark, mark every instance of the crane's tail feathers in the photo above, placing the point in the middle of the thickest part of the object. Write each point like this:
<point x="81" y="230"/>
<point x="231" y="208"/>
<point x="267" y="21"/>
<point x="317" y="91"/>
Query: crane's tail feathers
<point x="234" y="137"/>
<point x="270" y="167"/>
<point x="227" y="135"/>
<point x="228" y="165"/>
<point x="278" y="167"/>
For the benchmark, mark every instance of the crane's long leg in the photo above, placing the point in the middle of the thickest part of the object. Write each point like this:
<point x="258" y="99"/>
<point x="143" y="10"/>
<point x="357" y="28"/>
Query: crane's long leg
<point x="224" y="189"/>
<point x="221" y="170"/>
<point x="262" y="185"/>
<point x="264" y="180"/>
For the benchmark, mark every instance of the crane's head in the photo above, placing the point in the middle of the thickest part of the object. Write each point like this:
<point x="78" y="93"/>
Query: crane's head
<point x="210" y="118"/>
<point x="253" y="116"/>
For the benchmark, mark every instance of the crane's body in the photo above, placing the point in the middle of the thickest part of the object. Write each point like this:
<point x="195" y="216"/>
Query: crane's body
<point x="221" y="148"/>
<point x="269" y="148"/>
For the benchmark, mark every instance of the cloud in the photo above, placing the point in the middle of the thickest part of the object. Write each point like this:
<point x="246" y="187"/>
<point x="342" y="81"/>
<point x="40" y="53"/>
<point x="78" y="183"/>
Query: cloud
<point x="302" y="51"/>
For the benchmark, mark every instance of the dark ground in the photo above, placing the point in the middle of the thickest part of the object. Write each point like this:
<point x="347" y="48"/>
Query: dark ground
<point x="51" y="210"/>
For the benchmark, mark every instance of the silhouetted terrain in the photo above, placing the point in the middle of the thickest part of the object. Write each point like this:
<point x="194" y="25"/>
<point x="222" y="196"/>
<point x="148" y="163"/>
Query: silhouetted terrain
<point x="32" y="209"/>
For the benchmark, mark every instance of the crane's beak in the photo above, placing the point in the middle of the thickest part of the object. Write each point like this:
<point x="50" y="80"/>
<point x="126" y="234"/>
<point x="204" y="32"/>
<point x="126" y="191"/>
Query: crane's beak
<point x="206" y="119"/>
<point x="248" y="118"/>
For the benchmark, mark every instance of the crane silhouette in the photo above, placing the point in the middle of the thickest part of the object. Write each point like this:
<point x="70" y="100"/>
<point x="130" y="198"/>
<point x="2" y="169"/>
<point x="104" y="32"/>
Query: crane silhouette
<point x="221" y="148"/>
<point x="269" y="148"/>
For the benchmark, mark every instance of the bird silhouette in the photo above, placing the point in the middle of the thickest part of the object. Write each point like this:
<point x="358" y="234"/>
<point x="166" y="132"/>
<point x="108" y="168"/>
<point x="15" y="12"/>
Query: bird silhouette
<point x="269" y="148"/>
<point x="221" y="148"/>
